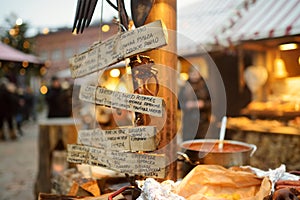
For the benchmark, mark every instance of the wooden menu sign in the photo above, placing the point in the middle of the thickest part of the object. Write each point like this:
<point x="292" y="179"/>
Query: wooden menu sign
<point x="133" y="102"/>
<point x="118" y="47"/>
<point x="141" y="138"/>
<point x="144" y="164"/>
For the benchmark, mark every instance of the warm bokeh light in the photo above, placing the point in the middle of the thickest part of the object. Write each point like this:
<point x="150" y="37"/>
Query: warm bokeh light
<point x="45" y="31"/>
<point x="279" y="69"/>
<point x="288" y="46"/>
<point x="105" y="28"/>
<point x="43" y="71"/>
<point x="22" y="72"/>
<point x="47" y="63"/>
<point x="184" y="76"/>
<point x="26" y="45"/>
<point x="65" y="85"/>
<point x="25" y="63"/>
<point x="6" y="40"/>
<point x="114" y="73"/>
<point x="43" y="89"/>
<point x="19" y="21"/>
<point x="12" y="32"/>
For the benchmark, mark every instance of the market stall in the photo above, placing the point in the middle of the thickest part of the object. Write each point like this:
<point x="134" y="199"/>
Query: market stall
<point x="142" y="157"/>
<point x="8" y="53"/>
<point x="269" y="67"/>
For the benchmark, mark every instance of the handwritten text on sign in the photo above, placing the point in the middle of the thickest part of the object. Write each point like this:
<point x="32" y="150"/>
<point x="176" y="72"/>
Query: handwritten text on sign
<point x="116" y="48"/>
<point x="149" y="165"/>
<point x="133" y="102"/>
<point x="133" y="139"/>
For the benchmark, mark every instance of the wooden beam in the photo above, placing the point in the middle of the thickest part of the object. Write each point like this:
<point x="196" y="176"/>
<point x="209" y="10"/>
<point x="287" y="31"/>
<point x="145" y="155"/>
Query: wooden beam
<point x="166" y="60"/>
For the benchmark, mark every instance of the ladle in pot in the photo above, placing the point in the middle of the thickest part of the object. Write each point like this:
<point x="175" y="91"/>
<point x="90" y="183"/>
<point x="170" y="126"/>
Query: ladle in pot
<point x="222" y="133"/>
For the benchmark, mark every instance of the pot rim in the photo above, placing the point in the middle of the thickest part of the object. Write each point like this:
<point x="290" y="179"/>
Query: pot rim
<point x="251" y="146"/>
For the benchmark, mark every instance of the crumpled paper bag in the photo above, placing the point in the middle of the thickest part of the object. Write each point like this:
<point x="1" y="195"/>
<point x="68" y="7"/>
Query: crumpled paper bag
<point x="214" y="182"/>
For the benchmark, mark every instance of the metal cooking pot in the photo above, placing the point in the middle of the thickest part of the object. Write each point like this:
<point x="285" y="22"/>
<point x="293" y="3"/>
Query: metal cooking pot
<point x="202" y="151"/>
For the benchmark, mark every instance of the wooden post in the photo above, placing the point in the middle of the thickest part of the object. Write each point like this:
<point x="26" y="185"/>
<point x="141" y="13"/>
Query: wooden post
<point x="166" y="60"/>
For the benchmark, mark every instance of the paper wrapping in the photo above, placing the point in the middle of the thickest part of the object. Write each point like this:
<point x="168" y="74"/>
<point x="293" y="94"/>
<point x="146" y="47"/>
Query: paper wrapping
<point x="214" y="182"/>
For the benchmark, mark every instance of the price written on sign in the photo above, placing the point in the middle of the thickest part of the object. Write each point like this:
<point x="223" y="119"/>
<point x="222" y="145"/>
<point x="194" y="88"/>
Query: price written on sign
<point x="141" y="138"/>
<point x="133" y="102"/>
<point x="118" y="47"/>
<point x="148" y="165"/>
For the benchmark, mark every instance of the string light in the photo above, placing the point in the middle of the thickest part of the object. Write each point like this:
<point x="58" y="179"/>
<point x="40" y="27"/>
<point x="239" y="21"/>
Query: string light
<point x="19" y="22"/>
<point x="105" y="28"/>
<point x="43" y="89"/>
<point x="43" y="71"/>
<point x="115" y="73"/>
<point x="26" y="45"/>
<point x="288" y="46"/>
<point x="45" y="31"/>
<point x="22" y="72"/>
<point x="25" y="64"/>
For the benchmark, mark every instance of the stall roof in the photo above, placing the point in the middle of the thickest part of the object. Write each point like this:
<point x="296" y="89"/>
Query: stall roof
<point x="261" y="20"/>
<point x="8" y="53"/>
<point x="198" y="22"/>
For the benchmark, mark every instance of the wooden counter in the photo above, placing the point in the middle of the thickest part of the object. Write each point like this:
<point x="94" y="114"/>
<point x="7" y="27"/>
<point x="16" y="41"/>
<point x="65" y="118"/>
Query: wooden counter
<point x="273" y="148"/>
<point x="50" y="131"/>
<point x="271" y="114"/>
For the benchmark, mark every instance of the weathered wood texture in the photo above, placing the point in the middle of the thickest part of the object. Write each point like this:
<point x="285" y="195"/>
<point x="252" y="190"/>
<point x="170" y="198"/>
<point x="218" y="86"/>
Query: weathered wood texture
<point x="165" y="59"/>
<point x="273" y="149"/>
<point x="50" y="131"/>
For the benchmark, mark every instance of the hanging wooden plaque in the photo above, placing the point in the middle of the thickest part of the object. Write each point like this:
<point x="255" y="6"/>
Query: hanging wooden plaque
<point x="141" y="138"/>
<point x="132" y="102"/>
<point x="119" y="47"/>
<point x="144" y="164"/>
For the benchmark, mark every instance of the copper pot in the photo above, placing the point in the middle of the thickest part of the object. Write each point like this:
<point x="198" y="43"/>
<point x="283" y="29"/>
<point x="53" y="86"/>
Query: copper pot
<point x="205" y="151"/>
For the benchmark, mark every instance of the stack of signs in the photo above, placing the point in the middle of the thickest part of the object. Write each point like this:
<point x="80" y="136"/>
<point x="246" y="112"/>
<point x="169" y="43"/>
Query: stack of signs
<point x="120" y="149"/>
